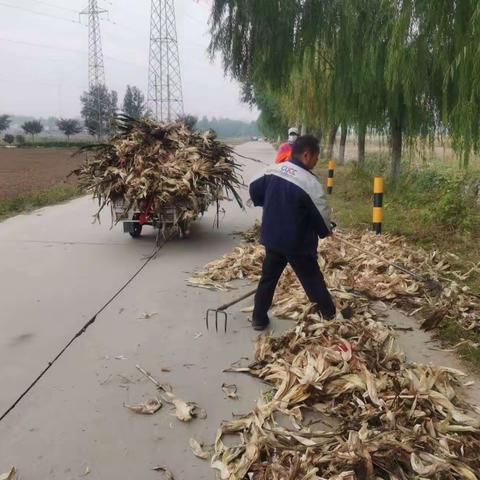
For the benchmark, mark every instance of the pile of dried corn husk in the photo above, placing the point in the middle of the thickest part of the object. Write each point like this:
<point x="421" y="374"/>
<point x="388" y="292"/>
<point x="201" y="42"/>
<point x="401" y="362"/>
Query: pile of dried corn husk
<point x="149" y="166"/>
<point x="350" y="273"/>
<point x="393" y="419"/>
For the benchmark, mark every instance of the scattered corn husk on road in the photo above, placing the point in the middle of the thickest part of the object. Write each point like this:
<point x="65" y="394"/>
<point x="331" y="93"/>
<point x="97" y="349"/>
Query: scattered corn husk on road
<point x="198" y="450"/>
<point x="394" y="419"/>
<point x="150" y="166"/>
<point x="149" y="407"/>
<point x="11" y="475"/>
<point x="351" y="274"/>
<point x="184" y="411"/>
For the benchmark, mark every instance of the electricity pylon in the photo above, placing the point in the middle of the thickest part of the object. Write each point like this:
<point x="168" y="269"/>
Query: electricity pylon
<point x="165" y="97"/>
<point x="96" y="68"/>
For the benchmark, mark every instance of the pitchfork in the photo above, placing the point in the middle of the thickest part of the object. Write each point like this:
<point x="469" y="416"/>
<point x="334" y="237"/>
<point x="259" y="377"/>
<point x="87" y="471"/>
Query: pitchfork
<point x="220" y="312"/>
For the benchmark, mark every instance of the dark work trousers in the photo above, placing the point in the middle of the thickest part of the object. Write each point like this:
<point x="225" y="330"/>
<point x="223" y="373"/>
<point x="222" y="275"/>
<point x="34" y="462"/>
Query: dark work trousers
<point x="308" y="272"/>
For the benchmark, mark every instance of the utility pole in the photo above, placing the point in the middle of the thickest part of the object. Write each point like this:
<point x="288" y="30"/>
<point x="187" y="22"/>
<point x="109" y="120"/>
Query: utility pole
<point x="164" y="97"/>
<point x="96" y="68"/>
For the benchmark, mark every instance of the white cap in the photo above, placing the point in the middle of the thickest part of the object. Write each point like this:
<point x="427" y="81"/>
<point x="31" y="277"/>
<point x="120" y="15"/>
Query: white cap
<point x="293" y="131"/>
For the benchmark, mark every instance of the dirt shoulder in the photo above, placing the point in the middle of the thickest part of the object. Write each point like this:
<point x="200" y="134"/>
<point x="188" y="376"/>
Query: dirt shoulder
<point x="26" y="170"/>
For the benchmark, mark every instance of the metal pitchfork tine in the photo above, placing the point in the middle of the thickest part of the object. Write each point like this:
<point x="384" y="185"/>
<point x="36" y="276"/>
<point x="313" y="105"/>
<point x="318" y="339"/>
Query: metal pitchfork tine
<point x="221" y="313"/>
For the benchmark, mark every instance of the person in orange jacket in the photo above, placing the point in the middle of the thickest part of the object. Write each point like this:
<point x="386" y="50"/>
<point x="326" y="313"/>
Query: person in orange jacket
<point x="285" y="150"/>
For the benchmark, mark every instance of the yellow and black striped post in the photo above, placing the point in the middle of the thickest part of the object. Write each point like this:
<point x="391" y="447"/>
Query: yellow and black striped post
<point x="377" y="204"/>
<point x="331" y="173"/>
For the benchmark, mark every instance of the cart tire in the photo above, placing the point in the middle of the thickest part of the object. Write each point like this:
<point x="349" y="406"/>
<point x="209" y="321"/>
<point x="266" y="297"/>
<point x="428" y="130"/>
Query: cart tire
<point x="135" y="230"/>
<point x="184" y="230"/>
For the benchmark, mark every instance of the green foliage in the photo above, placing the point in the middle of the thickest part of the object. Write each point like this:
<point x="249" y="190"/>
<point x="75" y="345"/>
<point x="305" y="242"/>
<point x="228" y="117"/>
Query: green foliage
<point x="8" y="138"/>
<point x="99" y="106"/>
<point x="226" y="128"/>
<point x="452" y="333"/>
<point x="5" y="121"/>
<point x="424" y="203"/>
<point x="407" y="67"/>
<point x="69" y="126"/>
<point x="33" y="127"/>
<point x="19" y="139"/>
<point x="50" y="122"/>
<point x="272" y="123"/>
<point x="134" y="102"/>
<point x="47" y="143"/>
<point x="454" y="205"/>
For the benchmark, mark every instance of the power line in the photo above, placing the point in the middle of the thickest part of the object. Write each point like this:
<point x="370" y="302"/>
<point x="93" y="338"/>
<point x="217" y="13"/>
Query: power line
<point x="195" y="20"/>
<point x="41" y="45"/>
<point x="76" y="61"/>
<point x="121" y="25"/>
<point x="35" y="81"/>
<point x="55" y="47"/>
<point x="56" y="6"/>
<point x="204" y="3"/>
<point x="23" y="9"/>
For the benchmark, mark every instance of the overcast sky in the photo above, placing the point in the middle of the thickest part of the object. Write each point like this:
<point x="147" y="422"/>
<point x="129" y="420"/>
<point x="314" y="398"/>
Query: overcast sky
<point x="43" y="57"/>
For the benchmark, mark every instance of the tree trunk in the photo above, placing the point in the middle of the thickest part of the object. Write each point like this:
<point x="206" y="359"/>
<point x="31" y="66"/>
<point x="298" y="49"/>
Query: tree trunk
<point x="362" y="132"/>
<point x="396" y="150"/>
<point x="332" y="134"/>
<point x="343" y="142"/>
<point x="318" y="134"/>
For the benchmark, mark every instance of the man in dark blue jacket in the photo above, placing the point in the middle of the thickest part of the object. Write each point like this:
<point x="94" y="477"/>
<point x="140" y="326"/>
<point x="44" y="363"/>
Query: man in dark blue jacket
<point x="295" y="215"/>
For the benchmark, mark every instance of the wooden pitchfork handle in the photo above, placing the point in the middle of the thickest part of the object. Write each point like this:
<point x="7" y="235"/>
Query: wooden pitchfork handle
<point x="238" y="300"/>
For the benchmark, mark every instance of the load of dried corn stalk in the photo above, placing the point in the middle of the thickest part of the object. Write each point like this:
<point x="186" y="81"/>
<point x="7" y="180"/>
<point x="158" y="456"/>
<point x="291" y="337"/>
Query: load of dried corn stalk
<point x="391" y="419"/>
<point x="149" y="166"/>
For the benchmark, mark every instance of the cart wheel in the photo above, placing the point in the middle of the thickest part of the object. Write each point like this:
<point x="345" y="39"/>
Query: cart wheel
<point x="135" y="230"/>
<point x="184" y="229"/>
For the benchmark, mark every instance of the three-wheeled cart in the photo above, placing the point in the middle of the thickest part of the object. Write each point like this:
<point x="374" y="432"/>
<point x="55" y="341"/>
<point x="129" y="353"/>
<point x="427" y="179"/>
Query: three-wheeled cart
<point x="167" y="222"/>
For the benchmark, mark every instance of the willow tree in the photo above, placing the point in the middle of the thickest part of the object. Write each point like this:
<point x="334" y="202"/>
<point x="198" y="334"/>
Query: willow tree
<point x="266" y="45"/>
<point x="458" y="24"/>
<point x="362" y="63"/>
<point x="319" y="57"/>
<point x="272" y="121"/>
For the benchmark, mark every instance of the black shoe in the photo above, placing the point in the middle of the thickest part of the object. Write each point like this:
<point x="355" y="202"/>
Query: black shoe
<point x="260" y="325"/>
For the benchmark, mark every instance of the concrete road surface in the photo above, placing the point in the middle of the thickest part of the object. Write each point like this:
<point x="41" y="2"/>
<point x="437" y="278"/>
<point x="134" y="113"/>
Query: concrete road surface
<point x="58" y="269"/>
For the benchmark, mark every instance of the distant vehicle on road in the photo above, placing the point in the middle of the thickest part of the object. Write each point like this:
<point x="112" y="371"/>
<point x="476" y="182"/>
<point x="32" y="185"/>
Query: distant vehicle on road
<point x="254" y="139"/>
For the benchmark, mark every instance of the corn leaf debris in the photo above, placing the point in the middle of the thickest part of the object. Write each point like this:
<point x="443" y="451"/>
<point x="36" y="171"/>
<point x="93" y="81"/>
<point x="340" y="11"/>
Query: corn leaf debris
<point x="390" y="419"/>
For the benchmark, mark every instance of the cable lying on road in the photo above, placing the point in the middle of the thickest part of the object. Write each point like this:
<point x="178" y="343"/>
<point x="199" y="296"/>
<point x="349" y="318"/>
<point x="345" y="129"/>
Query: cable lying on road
<point x="80" y="333"/>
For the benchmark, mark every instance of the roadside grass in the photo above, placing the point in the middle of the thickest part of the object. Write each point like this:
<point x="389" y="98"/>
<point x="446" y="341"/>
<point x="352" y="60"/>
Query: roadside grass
<point x="451" y="333"/>
<point x="30" y="201"/>
<point x="433" y="207"/>
<point x="74" y="144"/>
